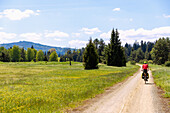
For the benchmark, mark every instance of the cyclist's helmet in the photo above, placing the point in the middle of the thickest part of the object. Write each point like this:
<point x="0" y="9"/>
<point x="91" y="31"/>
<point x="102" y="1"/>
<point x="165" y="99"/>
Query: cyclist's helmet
<point x="145" y="62"/>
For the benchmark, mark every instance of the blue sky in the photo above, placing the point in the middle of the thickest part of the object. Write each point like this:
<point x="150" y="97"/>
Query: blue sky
<point x="70" y="23"/>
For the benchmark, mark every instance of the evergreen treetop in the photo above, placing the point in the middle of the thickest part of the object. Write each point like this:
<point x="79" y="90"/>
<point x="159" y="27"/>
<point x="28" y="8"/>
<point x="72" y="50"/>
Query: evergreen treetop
<point x="90" y="56"/>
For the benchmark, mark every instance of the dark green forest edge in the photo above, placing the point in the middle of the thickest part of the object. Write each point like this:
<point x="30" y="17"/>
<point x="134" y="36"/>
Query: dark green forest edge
<point x="157" y="52"/>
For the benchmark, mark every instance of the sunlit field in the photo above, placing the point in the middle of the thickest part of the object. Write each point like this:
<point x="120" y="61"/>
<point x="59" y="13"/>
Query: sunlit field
<point x="54" y="87"/>
<point x="162" y="78"/>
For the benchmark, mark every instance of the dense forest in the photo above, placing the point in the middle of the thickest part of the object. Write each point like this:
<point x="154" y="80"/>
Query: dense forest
<point x="113" y="53"/>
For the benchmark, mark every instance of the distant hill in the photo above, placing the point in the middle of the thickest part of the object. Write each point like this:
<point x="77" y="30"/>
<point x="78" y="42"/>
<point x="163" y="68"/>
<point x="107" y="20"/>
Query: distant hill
<point x="37" y="46"/>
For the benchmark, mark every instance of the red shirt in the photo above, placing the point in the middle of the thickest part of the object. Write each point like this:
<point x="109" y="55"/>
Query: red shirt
<point x="145" y="66"/>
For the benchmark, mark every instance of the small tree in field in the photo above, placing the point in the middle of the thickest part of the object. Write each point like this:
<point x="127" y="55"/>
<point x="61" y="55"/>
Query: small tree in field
<point x="15" y="54"/>
<point x="40" y="56"/>
<point x="90" y="56"/>
<point x="53" y="56"/>
<point x="30" y="54"/>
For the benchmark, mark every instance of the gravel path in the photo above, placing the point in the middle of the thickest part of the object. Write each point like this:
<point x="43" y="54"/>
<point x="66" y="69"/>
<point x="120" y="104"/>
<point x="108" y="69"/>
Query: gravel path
<point x="131" y="96"/>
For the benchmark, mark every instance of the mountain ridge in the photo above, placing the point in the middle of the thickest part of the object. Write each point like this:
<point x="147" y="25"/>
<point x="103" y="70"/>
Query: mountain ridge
<point x="37" y="46"/>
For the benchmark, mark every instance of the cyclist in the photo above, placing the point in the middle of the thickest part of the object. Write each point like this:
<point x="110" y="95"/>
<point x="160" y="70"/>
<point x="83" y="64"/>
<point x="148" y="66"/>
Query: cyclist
<point x="145" y="69"/>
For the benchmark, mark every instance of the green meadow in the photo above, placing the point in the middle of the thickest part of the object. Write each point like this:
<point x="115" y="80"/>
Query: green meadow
<point x="161" y="76"/>
<point x="54" y="86"/>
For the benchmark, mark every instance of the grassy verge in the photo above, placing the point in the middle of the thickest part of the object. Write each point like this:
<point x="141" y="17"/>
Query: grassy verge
<point x="53" y="87"/>
<point x="162" y="78"/>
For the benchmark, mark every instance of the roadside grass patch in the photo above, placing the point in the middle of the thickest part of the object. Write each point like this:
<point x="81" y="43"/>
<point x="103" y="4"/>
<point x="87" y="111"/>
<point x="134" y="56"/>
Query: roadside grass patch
<point x="54" y="86"/>
<point x="161" y="77"/>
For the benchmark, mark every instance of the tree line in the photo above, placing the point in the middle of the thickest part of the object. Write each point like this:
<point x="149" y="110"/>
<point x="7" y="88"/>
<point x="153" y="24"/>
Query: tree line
<point x="16" y="54"/>
<point x="96" y="51"/>
<point x="156" y="52"/>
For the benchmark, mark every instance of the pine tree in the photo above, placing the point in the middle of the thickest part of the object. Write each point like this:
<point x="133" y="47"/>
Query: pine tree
<point x="139" y="55"/>
<point x="96" y="43"/>
<point x="23" y="55"/>
<point x="115" y="55"/>
<point x="90" y="56"/>
<point x="101" y="50"/>
<point x="101" y="47"/>
<point x="32" y="47"/>
<point x="133" y="55"/>
<point x="45" y="57"/>
<point x="136" y="45"/>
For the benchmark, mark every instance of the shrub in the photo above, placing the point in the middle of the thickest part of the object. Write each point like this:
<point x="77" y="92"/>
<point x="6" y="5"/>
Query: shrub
<point x="150" y="61"/>
<point x="62" y="59"/>
<point x="53" y="56"/>
<point x="141" y="61"/>
<point x="132" y="62"/>
<point x="167" y="63"/>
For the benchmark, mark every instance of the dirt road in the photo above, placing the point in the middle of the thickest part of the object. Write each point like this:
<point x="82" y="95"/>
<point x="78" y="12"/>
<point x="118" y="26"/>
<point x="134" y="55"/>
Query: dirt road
<point x="131" y="96"/>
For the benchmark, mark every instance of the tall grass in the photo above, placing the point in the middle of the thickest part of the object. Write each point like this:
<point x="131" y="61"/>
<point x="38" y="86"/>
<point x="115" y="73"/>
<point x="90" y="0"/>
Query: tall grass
<point x="161" y="76"/>
<point x="53" y="86"/>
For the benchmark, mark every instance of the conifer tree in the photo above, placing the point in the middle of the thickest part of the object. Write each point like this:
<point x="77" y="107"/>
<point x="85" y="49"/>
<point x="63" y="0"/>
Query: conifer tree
<point x="101" y="50"/>
<point x="90" y="56"/>
<point x="45" y="57"/>
<point x="115" y="55"/>
<point x="23" y="55"/>
<point x="96" y="43"/>
<point x="32" y="47"/>
<point x="139" y="55"/>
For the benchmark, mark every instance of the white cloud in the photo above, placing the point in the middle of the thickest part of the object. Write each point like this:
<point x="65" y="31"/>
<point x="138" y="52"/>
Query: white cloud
<point x="140" y="34"/>
<point x="16" y="14"/>
<point x="116" y="9"/>
<point x="106" y="35"/>
<point x="7" y="36"/>
<point x="166" y="16"/>
<point x="90" y="31"/>
<point x="56" y="34"/>
<point x="31" y="36"/>
<point x="75" y="34"/>
<point x="77" y="43"/>
<point x="58" y="39"/>
<point x="1" y="28"/>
